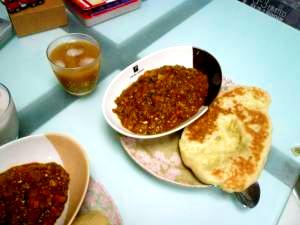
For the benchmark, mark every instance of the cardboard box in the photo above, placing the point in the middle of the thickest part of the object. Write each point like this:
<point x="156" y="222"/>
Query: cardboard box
<point x="50" y="14"/>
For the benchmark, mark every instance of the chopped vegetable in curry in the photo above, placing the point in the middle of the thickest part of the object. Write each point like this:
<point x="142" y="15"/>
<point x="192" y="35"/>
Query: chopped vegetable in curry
<point x="161" y="99"/>
<point x="33" y="194"/>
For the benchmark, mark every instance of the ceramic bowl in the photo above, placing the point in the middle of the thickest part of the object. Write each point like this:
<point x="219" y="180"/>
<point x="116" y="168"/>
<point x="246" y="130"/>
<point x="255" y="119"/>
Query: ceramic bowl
<point x="187" y="56"/>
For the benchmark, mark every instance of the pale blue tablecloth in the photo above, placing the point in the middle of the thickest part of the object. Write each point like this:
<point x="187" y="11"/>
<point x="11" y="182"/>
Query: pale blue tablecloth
<point x="252" y="48"/>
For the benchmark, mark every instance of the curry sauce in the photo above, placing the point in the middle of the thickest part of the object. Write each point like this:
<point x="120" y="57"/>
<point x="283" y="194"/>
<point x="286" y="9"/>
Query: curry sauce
<point x="33" y="194"/>
<point x="162" y="99"/>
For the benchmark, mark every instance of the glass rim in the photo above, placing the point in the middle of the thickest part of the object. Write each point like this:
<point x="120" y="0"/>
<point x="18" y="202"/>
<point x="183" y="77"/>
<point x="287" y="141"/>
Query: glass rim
<point x="93" y="40"/>
<point x="9" y="100"/>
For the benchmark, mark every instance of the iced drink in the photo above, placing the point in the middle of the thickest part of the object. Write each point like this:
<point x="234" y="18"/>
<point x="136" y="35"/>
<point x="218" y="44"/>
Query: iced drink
<point x="75" y="60"/>
<point x="9" y="125"/>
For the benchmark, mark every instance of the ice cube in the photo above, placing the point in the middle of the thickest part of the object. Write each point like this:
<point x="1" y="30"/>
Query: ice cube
<point x="60" y="63"/>
<point x="86" y="61"/>
<point x="73" y="52"/>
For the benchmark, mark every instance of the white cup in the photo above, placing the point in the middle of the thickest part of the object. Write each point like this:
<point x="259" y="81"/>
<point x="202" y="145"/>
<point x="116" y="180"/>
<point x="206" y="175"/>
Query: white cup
<point x="9" y="124"/>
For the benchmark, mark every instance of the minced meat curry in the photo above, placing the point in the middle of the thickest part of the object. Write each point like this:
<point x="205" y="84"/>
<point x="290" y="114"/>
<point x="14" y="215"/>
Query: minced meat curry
<point x="33" y="194"/>
<point x="161" y="99"/>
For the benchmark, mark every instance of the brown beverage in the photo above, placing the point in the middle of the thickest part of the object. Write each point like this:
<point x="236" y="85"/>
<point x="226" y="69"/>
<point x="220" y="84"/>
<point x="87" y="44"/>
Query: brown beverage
<point x="76" y="64"/>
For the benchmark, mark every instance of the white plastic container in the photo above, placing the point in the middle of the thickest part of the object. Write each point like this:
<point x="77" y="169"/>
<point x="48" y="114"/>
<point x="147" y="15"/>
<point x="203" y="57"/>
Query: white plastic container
<point x="9" y="124"/>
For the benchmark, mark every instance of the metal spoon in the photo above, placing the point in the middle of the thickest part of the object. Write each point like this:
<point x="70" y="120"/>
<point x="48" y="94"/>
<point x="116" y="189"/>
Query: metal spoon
<point x="250" y="197"/>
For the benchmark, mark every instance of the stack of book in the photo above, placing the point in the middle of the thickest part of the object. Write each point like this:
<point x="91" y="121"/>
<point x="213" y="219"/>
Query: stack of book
<point x="91" y="12"/>
<point x="287" y="11"/>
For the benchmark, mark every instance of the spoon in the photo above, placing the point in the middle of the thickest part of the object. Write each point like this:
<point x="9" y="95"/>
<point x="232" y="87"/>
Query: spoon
<point x="250" y="197"/>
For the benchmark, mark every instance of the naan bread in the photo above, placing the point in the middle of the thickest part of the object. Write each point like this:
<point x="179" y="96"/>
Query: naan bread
<point x="228" y="146"/>
<point x="91" y="218"/>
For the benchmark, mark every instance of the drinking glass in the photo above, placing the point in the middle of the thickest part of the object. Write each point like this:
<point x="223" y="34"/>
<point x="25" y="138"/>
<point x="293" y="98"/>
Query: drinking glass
<point x="75" y="60"/>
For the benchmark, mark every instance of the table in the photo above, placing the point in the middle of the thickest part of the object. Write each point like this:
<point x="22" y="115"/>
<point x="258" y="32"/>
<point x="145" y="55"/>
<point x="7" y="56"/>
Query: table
<point x="252" y="49"/>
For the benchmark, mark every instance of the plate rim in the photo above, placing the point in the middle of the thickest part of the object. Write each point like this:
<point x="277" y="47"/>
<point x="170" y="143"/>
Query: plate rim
<point x="201" y="186"/>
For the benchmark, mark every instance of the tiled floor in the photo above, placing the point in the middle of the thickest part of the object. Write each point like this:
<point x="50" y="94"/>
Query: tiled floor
<point x="287" y="11"/>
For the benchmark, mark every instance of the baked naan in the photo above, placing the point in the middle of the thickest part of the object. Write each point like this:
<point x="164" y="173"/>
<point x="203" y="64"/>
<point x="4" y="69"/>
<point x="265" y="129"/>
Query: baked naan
<point x="228" y="146"/>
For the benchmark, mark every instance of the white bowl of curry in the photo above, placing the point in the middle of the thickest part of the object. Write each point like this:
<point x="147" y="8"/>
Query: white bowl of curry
<point x="162" y="92"/>
<point x="43" y="180"/>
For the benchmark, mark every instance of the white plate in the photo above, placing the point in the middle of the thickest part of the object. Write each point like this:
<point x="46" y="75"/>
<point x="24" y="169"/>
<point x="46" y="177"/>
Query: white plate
<point x="52" y="148"/>
<point x="161" y="158"/>
<point x="186" y="56"/>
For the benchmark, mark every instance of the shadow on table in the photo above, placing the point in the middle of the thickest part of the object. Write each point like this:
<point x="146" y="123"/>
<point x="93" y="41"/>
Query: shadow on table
<point x="282" y="167"/>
